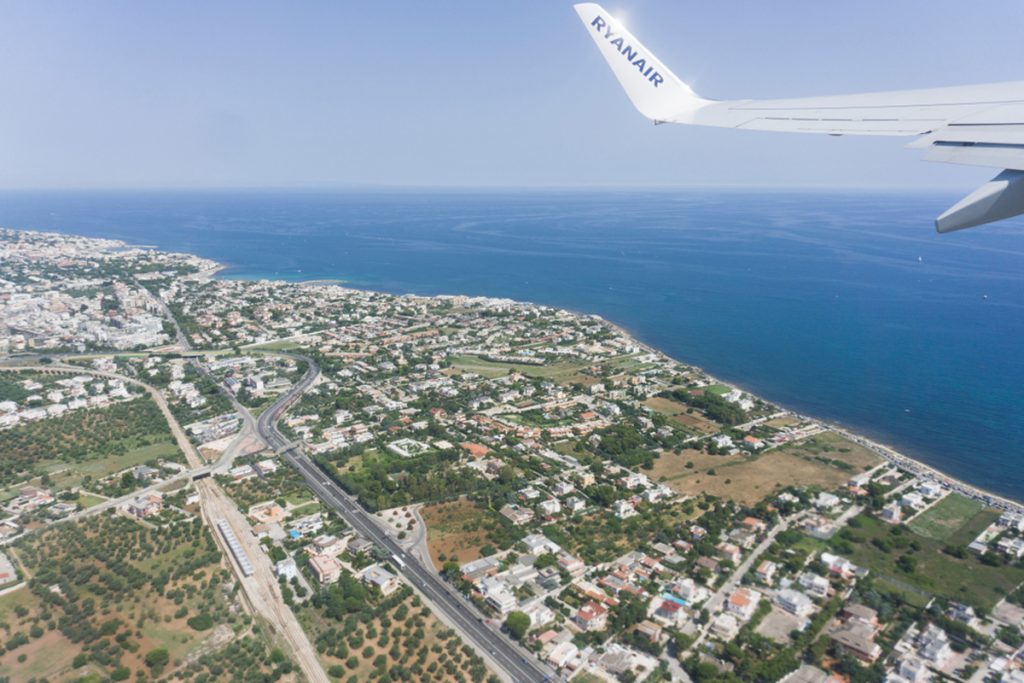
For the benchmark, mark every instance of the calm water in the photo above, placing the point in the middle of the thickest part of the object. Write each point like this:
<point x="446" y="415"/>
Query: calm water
<point x="817" y="301"/>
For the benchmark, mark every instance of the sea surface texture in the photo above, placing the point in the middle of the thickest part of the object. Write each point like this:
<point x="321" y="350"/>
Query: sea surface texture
<point x="847" y="307"/>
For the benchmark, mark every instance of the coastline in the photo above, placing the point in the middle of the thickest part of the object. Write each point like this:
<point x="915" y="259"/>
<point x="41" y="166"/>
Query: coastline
<point x="887" y="453"/>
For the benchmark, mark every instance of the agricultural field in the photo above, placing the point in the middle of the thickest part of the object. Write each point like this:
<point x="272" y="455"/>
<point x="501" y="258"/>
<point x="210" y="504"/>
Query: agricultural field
<point x="244" y="659"/>
<point x="628" y="365"/>
<point x="361" y="635"/>
<point x="561" y="372"/>
<point x="837" y="451"/>
<point x="682" y="414"/>
<point x="457" y="530"/>
<point x="945" y="518"/>
<point x="824" y="461"/>
<point x="87" y="443"/>
<point x="880" y="547"/>
<point x="748" y="480"/>
<point x="277" y="346"/>
<point x="110" y="598"/>
<point x="670" y="467"/>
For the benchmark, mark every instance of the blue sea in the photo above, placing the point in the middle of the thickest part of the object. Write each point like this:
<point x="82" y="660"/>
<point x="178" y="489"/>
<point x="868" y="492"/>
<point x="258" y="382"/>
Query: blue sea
<point x="844" y="306"/>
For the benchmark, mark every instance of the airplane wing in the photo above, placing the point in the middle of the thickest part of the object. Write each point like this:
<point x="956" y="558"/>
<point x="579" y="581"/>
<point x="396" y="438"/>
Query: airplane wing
<point x="978" y="125"/>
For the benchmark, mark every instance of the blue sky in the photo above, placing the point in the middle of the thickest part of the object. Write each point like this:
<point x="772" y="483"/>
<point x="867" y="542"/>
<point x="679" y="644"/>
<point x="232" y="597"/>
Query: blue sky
<point x="314" y="94"/>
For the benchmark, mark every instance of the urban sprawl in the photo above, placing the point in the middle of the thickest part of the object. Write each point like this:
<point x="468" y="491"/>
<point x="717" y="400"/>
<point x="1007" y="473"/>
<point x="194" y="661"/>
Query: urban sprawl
<point x="211" y="479"/>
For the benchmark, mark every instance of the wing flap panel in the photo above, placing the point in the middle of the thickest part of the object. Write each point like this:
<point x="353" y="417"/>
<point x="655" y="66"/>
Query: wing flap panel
<point x="977" y="154"/>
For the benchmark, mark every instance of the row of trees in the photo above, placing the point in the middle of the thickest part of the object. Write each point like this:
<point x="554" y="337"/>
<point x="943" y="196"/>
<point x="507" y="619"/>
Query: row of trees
<point x="98" y="581"/>
<point x="81" y="435"/>
<point x="712" y="405"/>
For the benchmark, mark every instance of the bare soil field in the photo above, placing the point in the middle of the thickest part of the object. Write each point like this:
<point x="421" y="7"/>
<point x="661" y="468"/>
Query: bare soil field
<point x="670" y="466"/>
<point x="830" y="446"/>
<point x="454" y="530"/>
<point x="676" y="411"/>
<point x="749" y="480"/>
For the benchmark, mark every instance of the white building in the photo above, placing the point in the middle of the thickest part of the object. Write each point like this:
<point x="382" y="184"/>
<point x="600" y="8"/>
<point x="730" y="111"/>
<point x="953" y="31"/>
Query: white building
<point x="385" y="581"/>
<point x="827" y="501"/>
<point x="550" y="507"/>
<point x="286" y="569"/>
<point x="497" y="594"/>
<point x="933" y="646"/>
<point x="913" y="499"/>
<point x="794" y="602"/>
<point x="725" y="626"/>
<point x="815" y="585"/>
<point x="538" y="544"/>
<point x="574" y="504"/>
<point x="624" y="509"/>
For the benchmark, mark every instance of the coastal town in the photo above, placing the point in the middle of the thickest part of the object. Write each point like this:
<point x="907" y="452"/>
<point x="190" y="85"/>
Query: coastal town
<point x="379" y="487"/>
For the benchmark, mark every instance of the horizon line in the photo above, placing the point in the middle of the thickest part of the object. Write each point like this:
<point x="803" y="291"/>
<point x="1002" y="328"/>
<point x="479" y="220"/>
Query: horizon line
<point x="381" y="187"/>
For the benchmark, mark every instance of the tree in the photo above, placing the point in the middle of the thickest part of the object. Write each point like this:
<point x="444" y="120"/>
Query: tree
<point x="545" y="560"/>
<point x="629" y="612"/>
<point x="201" y="622"/>
<point x="157" y="659"/>
<point x="517" y="623"/>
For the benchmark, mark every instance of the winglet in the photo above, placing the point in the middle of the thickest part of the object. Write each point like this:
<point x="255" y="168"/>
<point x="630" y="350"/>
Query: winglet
<point x="1000" y="198"/>
<point x="650" y="85"/>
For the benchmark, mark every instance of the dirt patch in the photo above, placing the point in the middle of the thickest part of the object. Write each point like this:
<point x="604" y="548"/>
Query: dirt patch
<point x="778" y="624"/>
<point x="670" y="466"/>
<point x="454" y="530"/>
<point x="48" y="655"/>
<point x="676" y="412"/>
<point x="747" y="481"/>
<point x="830" y="447"/>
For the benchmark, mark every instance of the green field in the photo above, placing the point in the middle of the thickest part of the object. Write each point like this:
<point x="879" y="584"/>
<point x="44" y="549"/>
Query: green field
<point x="835" y="450"/>
<point x="70" y="475"/>
<point x="87" y="500"/>
<point x="299" y="497"/>
<point x="556" y="372"/>
<point x="946" y="517"/>
<point x="878" y="546"/>
<point x="304" y="509"/>
<point x="628" y="364"/>
<point x="136" y="456"/>
<point x="93" y="442"/>
<point x="276" y="346"/>
<point x="536" y="418"/>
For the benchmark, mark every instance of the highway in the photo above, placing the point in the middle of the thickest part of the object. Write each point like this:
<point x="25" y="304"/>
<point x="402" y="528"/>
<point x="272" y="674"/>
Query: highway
<point x="514" y="662"/>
